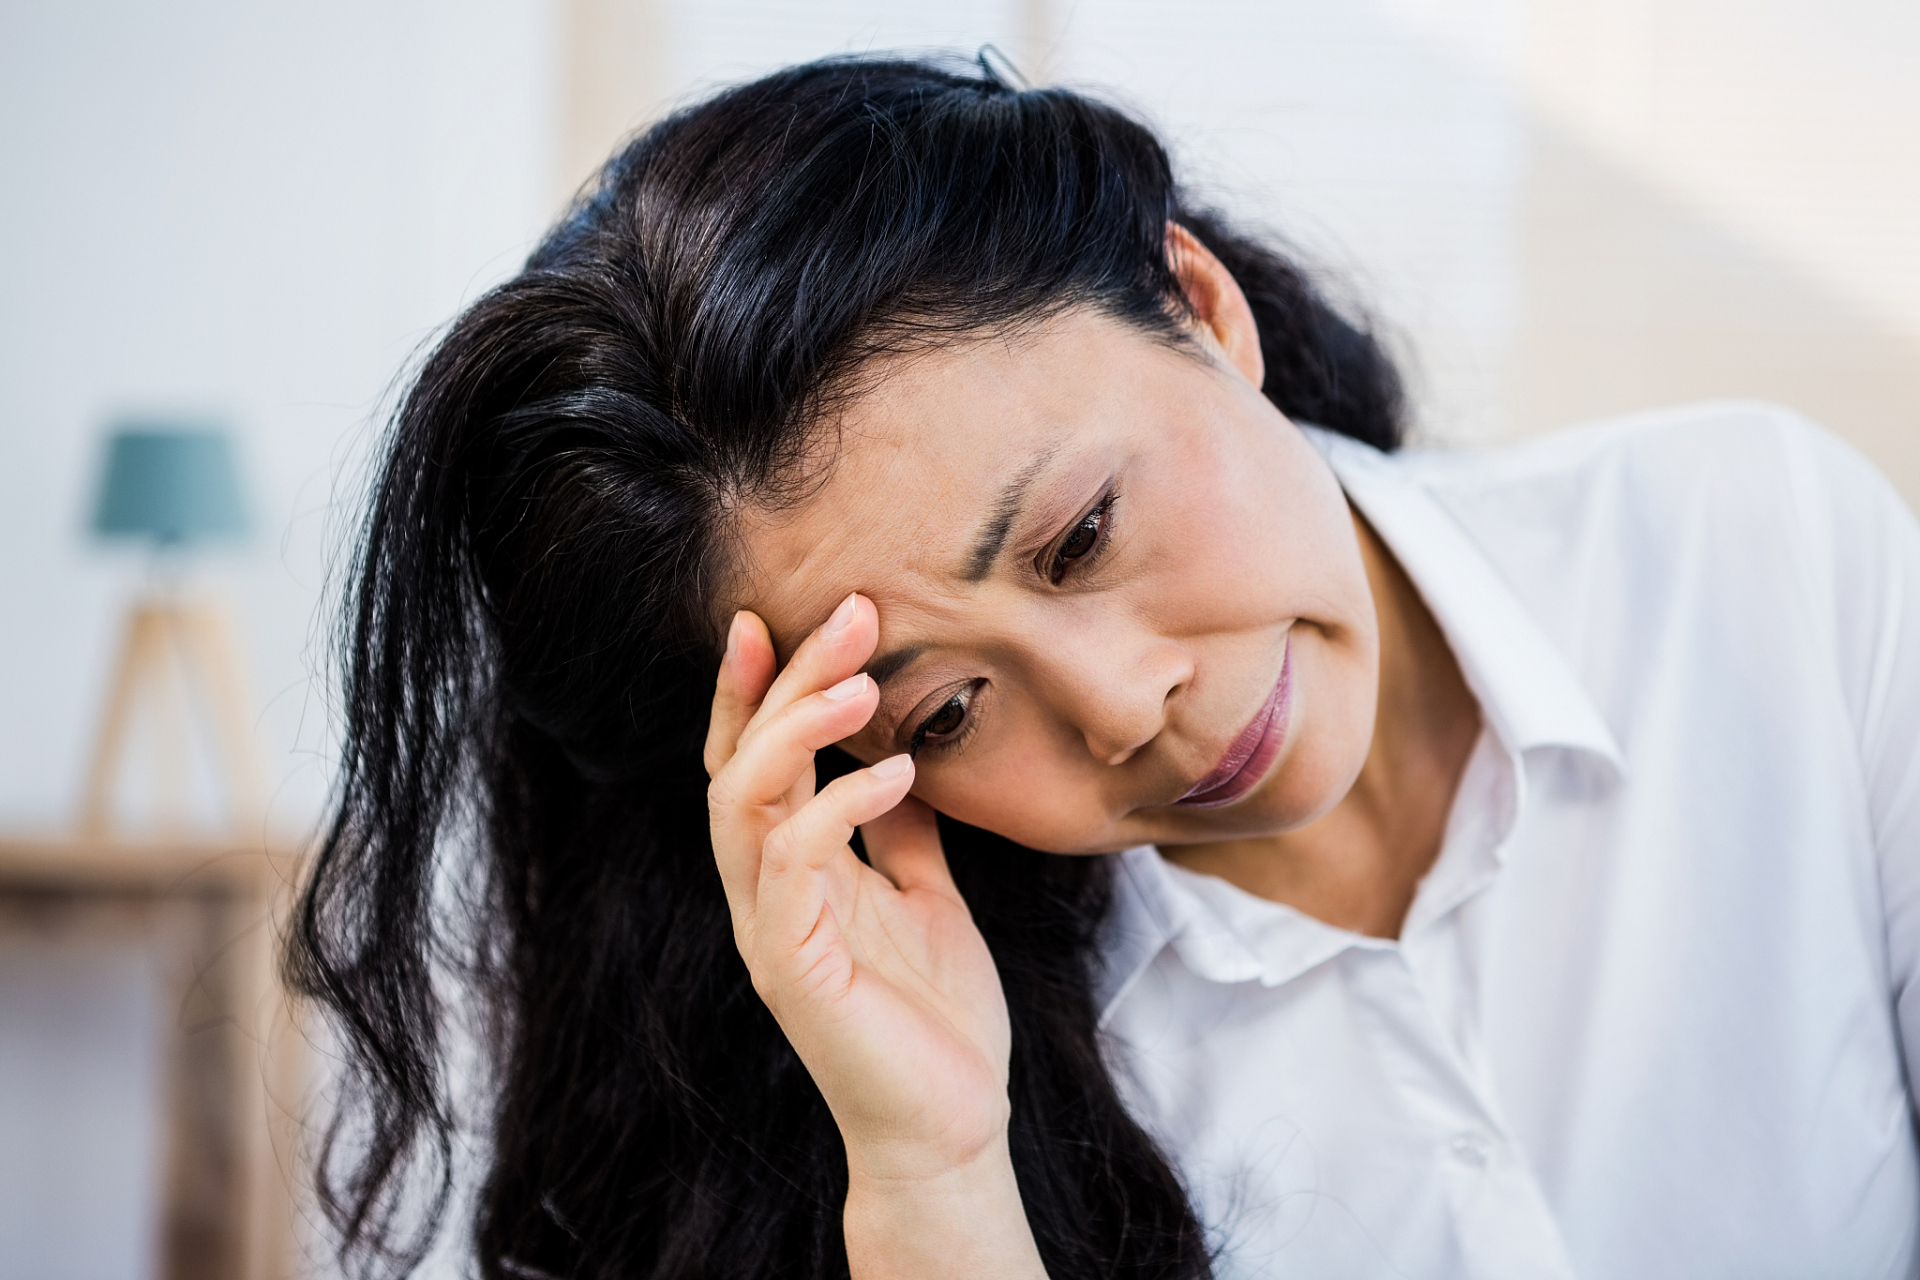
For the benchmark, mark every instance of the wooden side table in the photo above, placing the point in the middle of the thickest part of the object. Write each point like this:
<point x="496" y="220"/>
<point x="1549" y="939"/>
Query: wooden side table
<point x="210" y="910"/>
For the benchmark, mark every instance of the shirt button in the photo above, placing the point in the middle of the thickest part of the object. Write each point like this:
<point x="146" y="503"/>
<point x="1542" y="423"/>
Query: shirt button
<point x="1471" y="1149"/>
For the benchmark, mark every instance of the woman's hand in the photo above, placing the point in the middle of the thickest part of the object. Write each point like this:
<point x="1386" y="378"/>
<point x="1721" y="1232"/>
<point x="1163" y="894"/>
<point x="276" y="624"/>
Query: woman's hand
<point x="876" y="973"/>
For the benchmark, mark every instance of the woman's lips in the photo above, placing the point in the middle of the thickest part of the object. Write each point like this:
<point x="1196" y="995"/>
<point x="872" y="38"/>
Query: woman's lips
<point x="1253" y="752"/>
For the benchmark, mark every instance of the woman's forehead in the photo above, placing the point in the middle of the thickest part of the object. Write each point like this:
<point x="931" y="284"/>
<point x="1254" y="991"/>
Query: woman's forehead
<point x="928" y="467"/>
<point x="901" y="524"/>
<point x="942" y="455"/>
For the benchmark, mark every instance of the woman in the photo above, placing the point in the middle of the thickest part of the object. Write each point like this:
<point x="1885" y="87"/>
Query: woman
<point x="1346" y="864"/>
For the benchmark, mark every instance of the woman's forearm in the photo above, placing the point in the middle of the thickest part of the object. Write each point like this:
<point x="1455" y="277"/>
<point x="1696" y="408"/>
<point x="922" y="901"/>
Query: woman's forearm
<point x="966" y="1221"/>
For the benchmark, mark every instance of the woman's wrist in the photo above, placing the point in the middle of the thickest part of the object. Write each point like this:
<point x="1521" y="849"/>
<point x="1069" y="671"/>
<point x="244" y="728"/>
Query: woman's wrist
<point x="962" y="1219"/>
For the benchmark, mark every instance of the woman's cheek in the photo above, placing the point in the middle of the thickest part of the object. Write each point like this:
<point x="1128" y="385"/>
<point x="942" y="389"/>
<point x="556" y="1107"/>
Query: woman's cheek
<point x="1331" y="730"/>
<point x="1032" y="804"/>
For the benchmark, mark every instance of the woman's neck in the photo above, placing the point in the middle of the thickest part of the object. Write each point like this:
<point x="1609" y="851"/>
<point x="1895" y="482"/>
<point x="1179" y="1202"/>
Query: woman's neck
<point x="1357" y="865"/>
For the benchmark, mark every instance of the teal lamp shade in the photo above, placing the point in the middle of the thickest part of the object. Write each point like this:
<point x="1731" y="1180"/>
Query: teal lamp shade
<point x="172" y="484"/>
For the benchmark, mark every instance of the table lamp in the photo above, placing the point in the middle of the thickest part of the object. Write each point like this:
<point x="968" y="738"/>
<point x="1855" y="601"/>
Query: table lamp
<point x="175" y="487"/>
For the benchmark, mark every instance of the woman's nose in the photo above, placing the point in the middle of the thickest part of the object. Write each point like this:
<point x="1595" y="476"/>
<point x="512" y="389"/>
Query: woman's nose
<point x="1122" y="707"/>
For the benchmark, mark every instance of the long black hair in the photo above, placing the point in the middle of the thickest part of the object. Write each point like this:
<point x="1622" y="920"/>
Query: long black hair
<point x="529" y="657"/>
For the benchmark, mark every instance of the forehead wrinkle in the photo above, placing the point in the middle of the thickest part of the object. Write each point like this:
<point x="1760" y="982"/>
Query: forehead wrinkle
<point x="809" y="559"/>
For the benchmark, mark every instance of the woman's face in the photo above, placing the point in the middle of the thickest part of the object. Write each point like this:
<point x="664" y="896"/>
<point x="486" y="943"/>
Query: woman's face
<point x="1109" y="575"/>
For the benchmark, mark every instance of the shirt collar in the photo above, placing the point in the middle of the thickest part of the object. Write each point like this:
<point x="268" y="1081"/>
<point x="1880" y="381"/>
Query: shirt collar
<point x="1221" y="933"/>
<point x="1528" y="694"/>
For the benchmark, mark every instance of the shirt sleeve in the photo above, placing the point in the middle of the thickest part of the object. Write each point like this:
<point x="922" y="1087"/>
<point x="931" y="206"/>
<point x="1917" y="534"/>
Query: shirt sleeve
<point x="1864" y="545"/>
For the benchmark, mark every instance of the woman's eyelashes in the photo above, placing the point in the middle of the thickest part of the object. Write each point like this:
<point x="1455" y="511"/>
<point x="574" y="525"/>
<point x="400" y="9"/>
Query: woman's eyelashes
<point x="1080" y="546"/>
<point x="948" y="726"/>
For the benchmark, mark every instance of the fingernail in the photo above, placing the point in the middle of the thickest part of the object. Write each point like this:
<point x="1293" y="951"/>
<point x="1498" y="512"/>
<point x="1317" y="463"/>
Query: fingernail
<point x="841" y="617"/>
<point x="733" y="636"/>
<point x="846" y="688"/>
<point x="893" y="766"/>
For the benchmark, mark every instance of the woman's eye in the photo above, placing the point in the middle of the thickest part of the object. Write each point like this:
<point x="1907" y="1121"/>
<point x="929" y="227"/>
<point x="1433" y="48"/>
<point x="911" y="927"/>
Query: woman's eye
<point x="1080" y="542"/>
<point x="946" y="719"/>
<point x="948" y="726"/>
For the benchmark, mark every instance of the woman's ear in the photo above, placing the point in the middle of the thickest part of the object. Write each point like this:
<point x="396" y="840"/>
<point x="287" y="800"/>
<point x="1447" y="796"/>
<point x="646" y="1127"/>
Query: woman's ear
<point x="1217" y="303"/>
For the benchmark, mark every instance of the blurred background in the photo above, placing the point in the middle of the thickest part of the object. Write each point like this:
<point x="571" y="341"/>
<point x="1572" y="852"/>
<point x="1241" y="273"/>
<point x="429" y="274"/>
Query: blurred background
<point x="248" y="218"/>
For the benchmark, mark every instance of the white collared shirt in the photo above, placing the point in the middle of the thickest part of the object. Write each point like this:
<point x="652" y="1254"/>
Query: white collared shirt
<point x="1649" y="1012"/>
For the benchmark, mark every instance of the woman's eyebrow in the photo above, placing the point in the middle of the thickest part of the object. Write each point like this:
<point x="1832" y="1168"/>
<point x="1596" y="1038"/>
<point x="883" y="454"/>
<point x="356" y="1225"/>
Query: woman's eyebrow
<point x="1006" y="510"/>
<point x="986" y="549"/>
<point x="893" y="662"/>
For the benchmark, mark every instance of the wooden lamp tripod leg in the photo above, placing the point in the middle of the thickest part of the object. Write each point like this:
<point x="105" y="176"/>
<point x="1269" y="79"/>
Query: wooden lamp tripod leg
<point x="169" y="649"/>
<point x="142" y="662"/>
<point x="206" y="635"/>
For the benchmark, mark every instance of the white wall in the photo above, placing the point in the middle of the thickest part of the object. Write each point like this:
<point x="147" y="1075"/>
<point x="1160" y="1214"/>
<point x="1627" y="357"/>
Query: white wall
<point x="245" y="208"/>
<point x="708" y="45"/>
<point x="1352" y="130"/>
<point x="233" y="206"/>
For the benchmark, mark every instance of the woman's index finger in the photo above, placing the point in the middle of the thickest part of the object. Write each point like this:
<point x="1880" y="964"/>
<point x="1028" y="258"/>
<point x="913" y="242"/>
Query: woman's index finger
<point x="746" y="672"/>
<point x="835" y="650"/>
